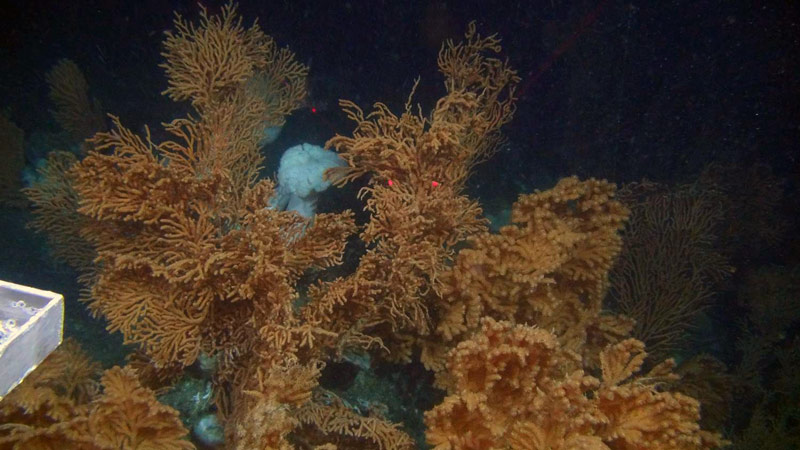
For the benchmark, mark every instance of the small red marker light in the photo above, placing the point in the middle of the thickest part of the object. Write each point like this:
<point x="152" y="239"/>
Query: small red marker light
<point x="434" y="183"/>
<point x="390" y="182"/>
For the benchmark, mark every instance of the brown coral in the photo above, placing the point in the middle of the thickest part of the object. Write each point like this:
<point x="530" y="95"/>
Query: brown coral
<point x="55" y="203"/>
<point x="75" y="111"/>
<point x="12" y="153"/>
<point x="670" y="263"/>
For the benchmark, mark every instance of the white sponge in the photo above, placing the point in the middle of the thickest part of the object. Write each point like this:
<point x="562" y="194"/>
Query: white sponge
<point x="300" y="178"/>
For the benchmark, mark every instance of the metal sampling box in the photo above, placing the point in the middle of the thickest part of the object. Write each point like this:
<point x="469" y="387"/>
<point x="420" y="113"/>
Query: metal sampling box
<point x="31" y="324"/>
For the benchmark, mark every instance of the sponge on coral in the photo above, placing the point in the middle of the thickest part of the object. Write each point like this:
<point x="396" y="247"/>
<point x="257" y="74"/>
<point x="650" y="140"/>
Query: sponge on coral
<point x="300" y="178"/>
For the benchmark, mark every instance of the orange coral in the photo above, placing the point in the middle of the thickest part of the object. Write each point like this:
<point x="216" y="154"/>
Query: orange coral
<point x="128" y="415"/>
<point x="329" y="421"/>
<point x="549" y="268"/>
<point x="276" y="407"/>
<point x="418" y="166"/>
<point x="206" y="62"/>
<point x="516" y="387"/>
<point x="169" y="249"/>
<point x="59" y="405"/>
<point x="412" y="150"/>
<point x="267" y="400"/>
<point x="57" y="390"/>
<point x="182" y="226"/>
<point x="209" y="61"/>
<point x="190" y="256"/>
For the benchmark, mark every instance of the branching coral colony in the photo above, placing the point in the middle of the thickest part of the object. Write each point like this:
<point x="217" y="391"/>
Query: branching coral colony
<point x="190" y="259"/>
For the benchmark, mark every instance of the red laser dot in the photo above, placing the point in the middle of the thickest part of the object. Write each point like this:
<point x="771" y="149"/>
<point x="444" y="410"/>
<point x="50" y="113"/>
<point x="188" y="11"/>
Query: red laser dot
<point x="390" y="182"/>
<point x="434" y="183"/>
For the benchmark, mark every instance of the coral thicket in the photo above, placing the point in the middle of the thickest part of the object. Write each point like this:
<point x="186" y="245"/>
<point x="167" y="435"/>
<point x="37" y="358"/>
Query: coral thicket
<point x="189" y="259"/>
